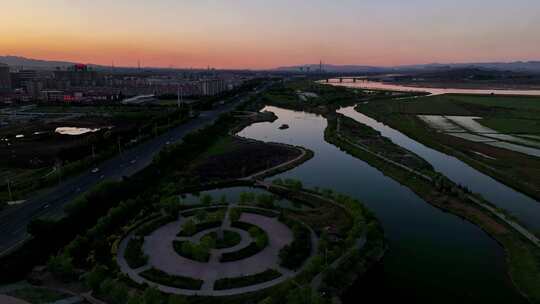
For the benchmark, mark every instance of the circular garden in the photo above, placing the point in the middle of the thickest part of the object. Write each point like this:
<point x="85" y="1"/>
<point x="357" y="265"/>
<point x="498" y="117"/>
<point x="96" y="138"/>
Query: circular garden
<point x="217" y="250"/>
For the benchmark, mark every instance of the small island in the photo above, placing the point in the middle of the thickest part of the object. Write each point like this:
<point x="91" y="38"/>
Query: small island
<point x="284" y="127"/>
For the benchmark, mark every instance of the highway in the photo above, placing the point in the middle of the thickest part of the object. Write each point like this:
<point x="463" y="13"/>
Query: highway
<point x="50" y="202"/>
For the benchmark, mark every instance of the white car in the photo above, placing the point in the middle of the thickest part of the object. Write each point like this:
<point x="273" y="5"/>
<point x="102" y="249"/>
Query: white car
<point x="95" y="170"/>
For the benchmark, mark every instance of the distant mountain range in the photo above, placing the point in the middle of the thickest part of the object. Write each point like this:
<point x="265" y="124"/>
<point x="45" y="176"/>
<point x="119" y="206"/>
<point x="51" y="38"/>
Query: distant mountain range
<point x="28" y="63"/>
<point x="517" y="66"/>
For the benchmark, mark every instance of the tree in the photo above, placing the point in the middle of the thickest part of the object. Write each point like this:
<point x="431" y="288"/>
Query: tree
<point x="136" y="299"/>
<point x="261" y="240"/>
<point x="208" y="242"/>
<point x="234" y="214"/>
<point x="201" y="215"/>
<point x="187" y="248"/>
<point x="94" y="278"/>
<point x="247" y="197"/>
<point x="206" y="199"/>
<point x="303" y="295"/>
<point x="223" y="199"/>
<point x="106" y="286"/>
<point x="253" y="232"/>
<point x="119" y="293"/>
<point x="152" y="296"/>
<point x="176" y="299"/>
<point x="61" y="266"/>
<point x="170" y="205"/>
<point x="200" y="252"/>
<point x="189" y="227"/>
<point x="266" y="200"/>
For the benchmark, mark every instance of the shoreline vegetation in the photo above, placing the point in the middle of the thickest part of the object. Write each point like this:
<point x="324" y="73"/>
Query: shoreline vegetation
<point x="522" y="255"/>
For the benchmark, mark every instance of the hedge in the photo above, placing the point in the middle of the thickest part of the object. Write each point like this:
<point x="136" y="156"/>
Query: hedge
<point x="161" y="277"/>
<point x="231" y="283"/>
<point x="134" y="255"/>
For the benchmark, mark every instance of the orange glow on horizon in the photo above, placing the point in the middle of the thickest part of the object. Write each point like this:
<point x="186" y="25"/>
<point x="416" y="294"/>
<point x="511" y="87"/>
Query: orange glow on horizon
<point x="253" y="34"/>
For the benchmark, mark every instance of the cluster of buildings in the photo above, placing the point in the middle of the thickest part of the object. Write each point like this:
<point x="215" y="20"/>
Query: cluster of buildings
<point x="81" y="83"/>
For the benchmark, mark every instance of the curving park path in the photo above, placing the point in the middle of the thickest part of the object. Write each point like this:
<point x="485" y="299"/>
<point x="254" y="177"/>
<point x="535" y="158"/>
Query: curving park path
<point x="158" y="246"/>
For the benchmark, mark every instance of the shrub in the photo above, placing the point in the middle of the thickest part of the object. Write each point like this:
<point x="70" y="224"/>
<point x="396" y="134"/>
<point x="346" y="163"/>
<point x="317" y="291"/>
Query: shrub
<point x="293" y="255"/>
<point x="195" y="252"/>
<point x="61" y="266"/>
<point x="206" y="199"/>
<point x="231" y="283"/>
<point x="261" y="241"/>
<point x="198" y="228"/>
<point x="164" y="278"/>
<point x="151" y="226"/>
<point x="134" y="255"/>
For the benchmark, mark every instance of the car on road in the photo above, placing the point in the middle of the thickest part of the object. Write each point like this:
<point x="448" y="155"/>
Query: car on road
<point x="95" y="170"/>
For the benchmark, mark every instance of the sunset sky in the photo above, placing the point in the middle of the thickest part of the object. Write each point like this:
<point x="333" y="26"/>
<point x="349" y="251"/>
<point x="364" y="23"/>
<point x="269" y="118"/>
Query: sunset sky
<point x="270" y="33"/>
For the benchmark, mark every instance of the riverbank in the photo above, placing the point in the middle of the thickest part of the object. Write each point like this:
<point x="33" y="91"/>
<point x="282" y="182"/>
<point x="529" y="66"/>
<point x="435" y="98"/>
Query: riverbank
<point x="522" y="255"/>
<point x="516" y="170"/>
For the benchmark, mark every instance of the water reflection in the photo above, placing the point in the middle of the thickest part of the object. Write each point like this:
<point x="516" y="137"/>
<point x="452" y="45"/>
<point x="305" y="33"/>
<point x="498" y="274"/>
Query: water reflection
<point x="375" y="85"/>
<point x="433" y="255"/>
<point x="75" y="130"/>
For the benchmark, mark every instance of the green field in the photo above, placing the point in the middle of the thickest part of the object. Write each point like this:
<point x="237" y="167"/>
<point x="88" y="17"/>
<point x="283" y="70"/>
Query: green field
<point x="501" y="113"/>
<point x="502" y="107"/>
<point x="512" y="125"/>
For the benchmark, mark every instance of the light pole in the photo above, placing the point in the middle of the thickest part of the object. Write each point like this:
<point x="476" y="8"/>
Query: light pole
<point x="9" y="189"/>
<point x="180" y="96"/>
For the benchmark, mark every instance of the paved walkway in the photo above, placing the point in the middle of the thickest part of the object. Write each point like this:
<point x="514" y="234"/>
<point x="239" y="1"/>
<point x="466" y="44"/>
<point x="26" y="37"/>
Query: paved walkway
<point x="159" y="247"/>
<point x="11" y="300"/>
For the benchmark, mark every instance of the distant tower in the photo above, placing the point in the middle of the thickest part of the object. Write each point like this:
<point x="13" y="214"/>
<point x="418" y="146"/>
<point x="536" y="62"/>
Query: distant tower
<point x="139" y="64"/>
<point x="320" y="66"/>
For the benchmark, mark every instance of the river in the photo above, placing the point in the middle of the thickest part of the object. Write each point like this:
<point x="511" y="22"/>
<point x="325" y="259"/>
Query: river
<point x="433" y="257"/>
<point x="375" y="85"/>
<point x="522" y="207"/>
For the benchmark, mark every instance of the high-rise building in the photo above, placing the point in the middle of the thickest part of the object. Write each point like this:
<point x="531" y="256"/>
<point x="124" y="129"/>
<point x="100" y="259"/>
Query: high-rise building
<point x="5" y="79"/>
<point x="78" y="76"/>
<point x="211" y="87"/>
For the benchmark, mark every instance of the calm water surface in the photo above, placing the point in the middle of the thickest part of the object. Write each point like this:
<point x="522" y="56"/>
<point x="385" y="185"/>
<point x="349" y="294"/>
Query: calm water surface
<point x="433" y="256"/>
<point x="375" y="85"/>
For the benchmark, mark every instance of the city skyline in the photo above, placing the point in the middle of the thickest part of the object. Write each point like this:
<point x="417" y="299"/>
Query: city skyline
<point x="259" y="35"/>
